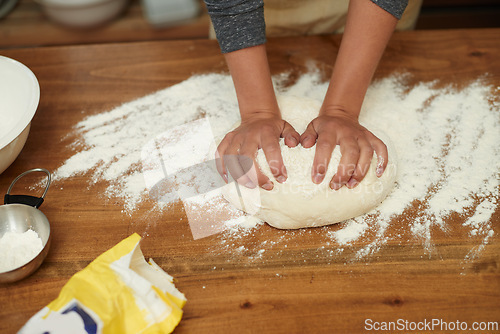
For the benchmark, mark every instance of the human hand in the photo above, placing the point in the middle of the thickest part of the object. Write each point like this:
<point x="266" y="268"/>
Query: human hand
<point x="357" y="144"/>
<point x="240" y="146"/>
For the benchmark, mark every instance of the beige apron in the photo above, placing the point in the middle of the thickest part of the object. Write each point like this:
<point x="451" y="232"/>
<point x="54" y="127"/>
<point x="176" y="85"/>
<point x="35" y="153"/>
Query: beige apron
<point x="299" y="17"/>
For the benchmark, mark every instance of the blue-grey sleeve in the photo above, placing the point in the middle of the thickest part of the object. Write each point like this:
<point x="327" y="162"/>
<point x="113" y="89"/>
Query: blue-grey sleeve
<point x="394" y="7"/>
<point x="238" y="24"/>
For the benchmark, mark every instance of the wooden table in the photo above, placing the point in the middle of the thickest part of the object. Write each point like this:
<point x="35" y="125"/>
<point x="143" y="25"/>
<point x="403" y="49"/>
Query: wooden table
<point x="228" y="293"/>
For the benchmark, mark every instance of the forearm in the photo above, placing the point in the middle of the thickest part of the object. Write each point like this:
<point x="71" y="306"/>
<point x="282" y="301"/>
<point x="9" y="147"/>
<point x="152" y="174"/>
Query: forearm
<point x="252" y="80"/>
<point x="240" y="30"/>
<point x="367" y="32"/>
<point x="261" y="123"/>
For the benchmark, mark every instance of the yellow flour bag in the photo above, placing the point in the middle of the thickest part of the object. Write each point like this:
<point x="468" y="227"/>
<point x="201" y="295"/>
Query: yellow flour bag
<point x="119" y="292"/>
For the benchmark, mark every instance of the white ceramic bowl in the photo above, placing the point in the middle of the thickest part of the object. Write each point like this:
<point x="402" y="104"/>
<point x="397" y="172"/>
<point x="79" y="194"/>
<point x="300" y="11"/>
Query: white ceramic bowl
<point x="82" y="13"/>
<point x="19" y="97"/>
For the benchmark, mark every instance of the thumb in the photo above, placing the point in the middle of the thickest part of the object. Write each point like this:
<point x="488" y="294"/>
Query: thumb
<point x="308" y="138"/>
<point x="292" y="137"/>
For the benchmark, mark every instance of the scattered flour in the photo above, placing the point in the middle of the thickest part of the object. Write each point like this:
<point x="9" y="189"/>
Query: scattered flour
<point x="446" y="141"/>
<point x="17" y="249"/>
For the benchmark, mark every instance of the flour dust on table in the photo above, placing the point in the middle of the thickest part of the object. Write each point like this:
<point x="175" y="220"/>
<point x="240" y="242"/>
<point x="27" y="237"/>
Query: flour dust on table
<point x="446" y="141"/>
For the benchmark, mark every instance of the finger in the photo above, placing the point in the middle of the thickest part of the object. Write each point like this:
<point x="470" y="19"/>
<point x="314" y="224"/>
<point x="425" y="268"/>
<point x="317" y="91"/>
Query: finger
<point x="232" y="160"/>
<point x="251" y="168"/>
<point x="255" y="173"/>
<point x="219" y="153"/>
<point x="309" y="136"/>
<point x="324" y="148"/>
<point x="272" y="150"/>
<point x="364" y="161"/>
<point x="350" y="156"/>
<point x="221" y="168"/>
<point x="263" y="180"/>
<point x="382" y="155"/>
<point x="292" y="137"/>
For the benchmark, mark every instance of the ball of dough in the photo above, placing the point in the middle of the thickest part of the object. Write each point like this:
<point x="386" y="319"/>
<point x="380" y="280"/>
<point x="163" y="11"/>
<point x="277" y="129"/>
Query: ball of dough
<point x="298" y="202"/>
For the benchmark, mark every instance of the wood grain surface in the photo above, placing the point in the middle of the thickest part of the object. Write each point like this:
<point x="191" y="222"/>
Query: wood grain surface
<point x="297" y="289"/>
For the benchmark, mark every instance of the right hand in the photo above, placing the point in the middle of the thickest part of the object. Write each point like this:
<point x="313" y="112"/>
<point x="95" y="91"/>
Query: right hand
<point x="338" y="127"/>
<point x="257" y="131"/>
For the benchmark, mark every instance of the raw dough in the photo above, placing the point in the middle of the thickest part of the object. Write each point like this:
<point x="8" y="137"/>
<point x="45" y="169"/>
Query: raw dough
<point x="299" y="202"/>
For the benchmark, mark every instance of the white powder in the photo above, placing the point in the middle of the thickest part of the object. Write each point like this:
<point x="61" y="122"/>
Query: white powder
<point x="17" y="249"/>
<point x="351" y="232"/>
<point x="111" y="142"/>
<point x="446" y="141"/>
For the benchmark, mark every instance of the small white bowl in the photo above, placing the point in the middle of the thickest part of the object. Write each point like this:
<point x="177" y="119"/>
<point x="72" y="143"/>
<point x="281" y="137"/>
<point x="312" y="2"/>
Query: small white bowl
<point x="19" y="97"/>
<point x="82" y="13"/>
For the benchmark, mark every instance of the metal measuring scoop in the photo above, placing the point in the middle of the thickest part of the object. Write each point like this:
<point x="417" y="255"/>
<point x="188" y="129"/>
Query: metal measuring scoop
<point x="19" y="214"/>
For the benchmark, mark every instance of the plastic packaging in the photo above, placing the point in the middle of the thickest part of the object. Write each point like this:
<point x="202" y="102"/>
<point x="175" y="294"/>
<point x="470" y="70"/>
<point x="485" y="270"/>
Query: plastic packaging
<point x="119" y="292"/>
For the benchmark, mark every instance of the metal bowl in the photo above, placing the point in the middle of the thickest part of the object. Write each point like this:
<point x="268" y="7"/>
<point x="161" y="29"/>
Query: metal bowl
<point x="19" y="218"/>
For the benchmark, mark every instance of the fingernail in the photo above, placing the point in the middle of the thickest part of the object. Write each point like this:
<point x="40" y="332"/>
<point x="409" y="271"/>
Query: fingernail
<point x="379" y="171"/>
<point x="292" y="140"/>
<point x="268" y="186"/>
<point x="352" y="183"/>
<point x="250" y="185"/>
<point x="318" y="178"/>
<point x="380" y="166"/>
<point x="224" y="176"/>
<point x="320" y="174"/>
<point x="335" y="186"/>
<point x="281" y="179"/>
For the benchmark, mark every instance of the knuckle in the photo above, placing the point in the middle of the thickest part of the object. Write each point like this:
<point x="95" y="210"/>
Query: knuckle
<point x="271" y="149"/>
<point x="357" y="178"/>
<point x="246" y="153"/>
<point x="360" y="171"/>
<point x="232" y="149"/>
<point x="382" y="146"/>
<point x="268" y="129"/>
<point x="275" y="169"/>
<point x="366" y="150"/>
<point x="348" y="169"/>
<point x="363" y="170"/>
<point x="321" y="166"/>
<point x="229" y="135"/>
<point x="375" y="141"/>
<point x="237" y="137"/>
<point x="219" y="152"/>
<point x="343" y="179"/>
<point x="325" y="145"/>
<point x="352" y="154"/>
<point x="223" y="143"/>
<point x="273" y="162"/>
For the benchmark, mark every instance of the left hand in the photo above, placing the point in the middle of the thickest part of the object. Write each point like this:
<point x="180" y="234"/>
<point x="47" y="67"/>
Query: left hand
<point x="357" y="144"/>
